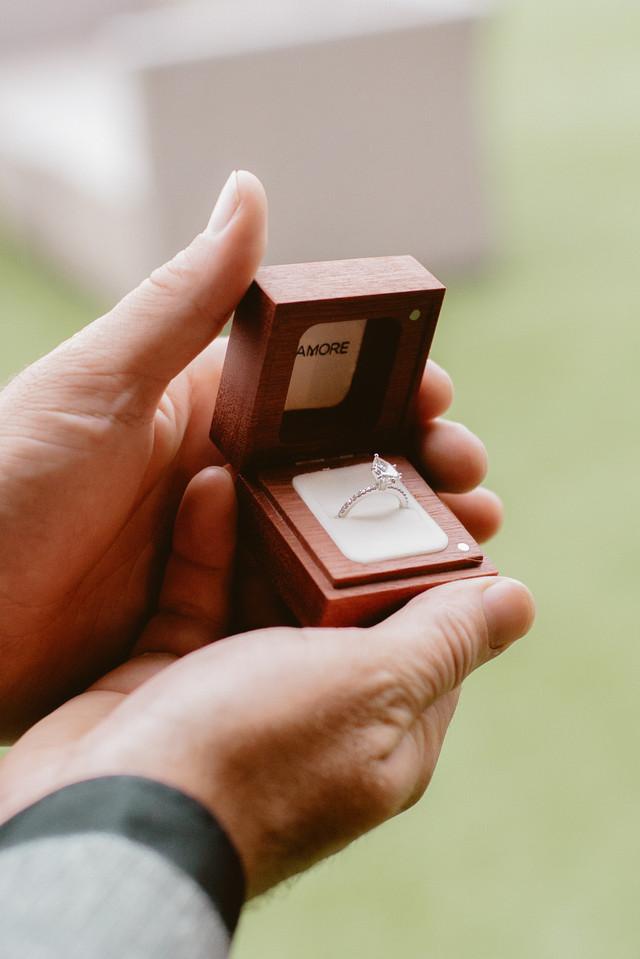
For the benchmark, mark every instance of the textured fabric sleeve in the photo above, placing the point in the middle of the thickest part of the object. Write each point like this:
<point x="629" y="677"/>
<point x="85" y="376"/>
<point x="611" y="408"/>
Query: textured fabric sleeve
<point x="117" y="867"/>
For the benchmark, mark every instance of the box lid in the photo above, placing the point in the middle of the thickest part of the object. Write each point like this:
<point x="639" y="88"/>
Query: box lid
<point x="325" y="359"/>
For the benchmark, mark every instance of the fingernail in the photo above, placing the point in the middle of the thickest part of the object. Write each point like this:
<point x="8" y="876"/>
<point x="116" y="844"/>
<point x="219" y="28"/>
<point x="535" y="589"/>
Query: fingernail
<point x="233" y="473"/>
<point x="226" y="205"/>
<point x="509" y="610"/>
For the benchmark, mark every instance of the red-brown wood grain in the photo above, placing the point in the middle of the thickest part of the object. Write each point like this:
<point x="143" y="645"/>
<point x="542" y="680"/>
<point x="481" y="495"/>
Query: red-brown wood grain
<point x="400" y="302"/>
<point x="341" y="571"/>
<point x="304" y="586"/>
<point x="249" y="424"/>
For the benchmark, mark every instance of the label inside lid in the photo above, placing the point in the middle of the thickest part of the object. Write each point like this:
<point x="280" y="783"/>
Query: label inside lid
<point x="326" y="360"/>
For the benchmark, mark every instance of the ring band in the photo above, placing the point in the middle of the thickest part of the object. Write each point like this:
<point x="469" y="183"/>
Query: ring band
<point x="386" y="477"/>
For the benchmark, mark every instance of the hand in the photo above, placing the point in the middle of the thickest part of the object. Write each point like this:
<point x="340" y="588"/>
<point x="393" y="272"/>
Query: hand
<point x="452" y="459"/>
<point x="98" y="441"/>
<point x="298" y="741"/>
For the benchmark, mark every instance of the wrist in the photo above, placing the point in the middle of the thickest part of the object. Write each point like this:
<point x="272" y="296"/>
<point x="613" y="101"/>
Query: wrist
<point x="148" y="813"/>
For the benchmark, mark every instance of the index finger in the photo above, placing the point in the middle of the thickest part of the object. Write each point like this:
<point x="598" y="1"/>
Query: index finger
<point x="435" y="393"/>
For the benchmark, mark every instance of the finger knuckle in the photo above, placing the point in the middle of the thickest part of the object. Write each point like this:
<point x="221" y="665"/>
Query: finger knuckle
<point x="454" y="658"/>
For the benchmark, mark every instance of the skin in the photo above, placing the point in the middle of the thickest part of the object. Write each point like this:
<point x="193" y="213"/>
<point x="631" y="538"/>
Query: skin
<point x="118" y="532"/>
<point x="98" y="442"/>
<point x="298" y="740"/>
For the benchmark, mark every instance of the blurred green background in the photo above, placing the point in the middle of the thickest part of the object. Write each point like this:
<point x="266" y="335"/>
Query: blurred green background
<point x="527" y="843"/>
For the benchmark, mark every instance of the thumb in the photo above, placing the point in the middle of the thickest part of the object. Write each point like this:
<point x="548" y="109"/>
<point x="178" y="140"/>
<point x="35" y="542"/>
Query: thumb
<point x="164" y="324"/>
<point x="441" y="636"/>
<point x="127" y="358"/>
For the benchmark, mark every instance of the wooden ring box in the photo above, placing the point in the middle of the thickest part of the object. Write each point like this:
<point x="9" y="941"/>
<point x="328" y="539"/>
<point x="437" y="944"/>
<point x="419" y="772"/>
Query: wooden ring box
<point x="322" y="370"/>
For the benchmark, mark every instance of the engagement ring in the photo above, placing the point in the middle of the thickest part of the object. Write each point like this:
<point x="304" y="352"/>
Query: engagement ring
<point x="386" y="477"/>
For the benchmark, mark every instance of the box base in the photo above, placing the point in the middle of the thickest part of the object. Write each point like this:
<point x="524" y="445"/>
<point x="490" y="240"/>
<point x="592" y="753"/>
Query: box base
<point x="272" y="533"/>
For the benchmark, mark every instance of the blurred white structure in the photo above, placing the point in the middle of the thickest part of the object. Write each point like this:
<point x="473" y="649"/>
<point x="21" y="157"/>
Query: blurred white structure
<point x="358" y="115"/>
<point x="25" y="23"/>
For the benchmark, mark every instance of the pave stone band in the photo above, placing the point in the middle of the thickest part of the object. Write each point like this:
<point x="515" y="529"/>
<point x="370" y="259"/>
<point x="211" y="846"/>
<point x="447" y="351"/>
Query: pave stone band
<point x="386" y="477"/>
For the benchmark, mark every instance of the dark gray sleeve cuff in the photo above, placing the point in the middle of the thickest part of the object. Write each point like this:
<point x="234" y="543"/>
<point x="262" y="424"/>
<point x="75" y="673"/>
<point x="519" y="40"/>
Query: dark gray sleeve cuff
<point x="146" y="812"/>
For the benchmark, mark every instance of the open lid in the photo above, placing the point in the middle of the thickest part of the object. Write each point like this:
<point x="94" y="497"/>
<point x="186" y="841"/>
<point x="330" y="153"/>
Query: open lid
<point x="325" y="359"/>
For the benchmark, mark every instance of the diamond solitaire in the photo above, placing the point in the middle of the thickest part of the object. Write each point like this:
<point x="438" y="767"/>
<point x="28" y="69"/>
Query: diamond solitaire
<point x="386" y="477"/>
